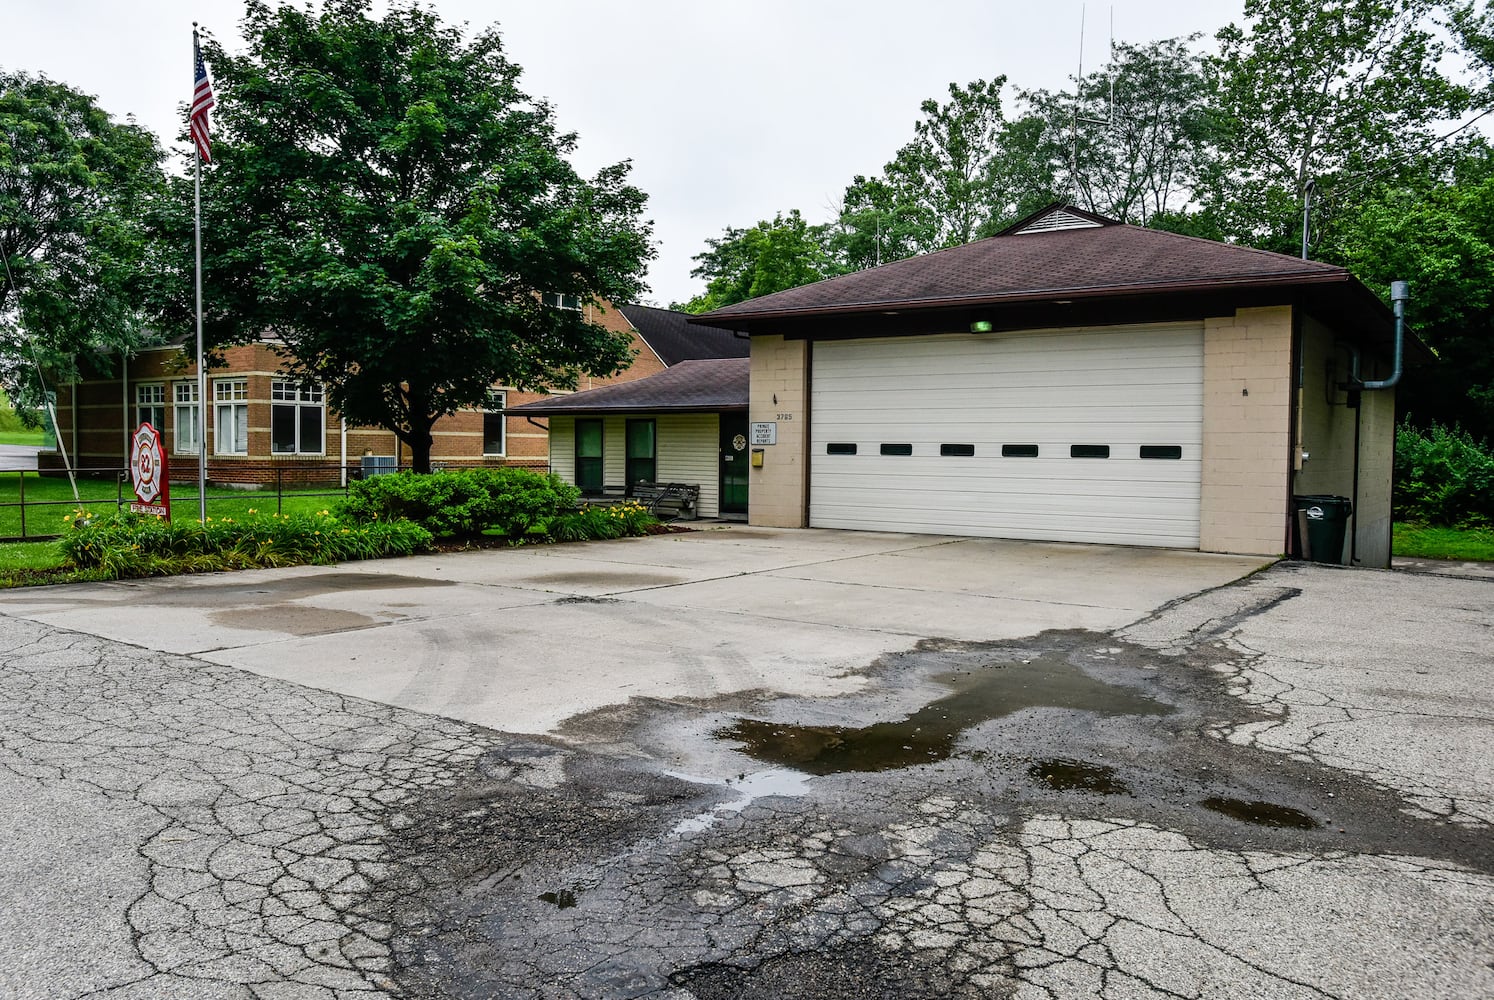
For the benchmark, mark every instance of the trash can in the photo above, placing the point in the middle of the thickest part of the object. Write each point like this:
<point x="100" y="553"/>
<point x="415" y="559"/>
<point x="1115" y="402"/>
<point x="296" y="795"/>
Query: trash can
<point x="1321" y="522"/>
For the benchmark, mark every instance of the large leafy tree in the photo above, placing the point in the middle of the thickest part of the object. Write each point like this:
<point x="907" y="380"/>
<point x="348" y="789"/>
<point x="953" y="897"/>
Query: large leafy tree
<point x="389" y="203"/>
<point x="954" y="182"/>
<point x="880" y="219"/>
<point x="1334" y="92"/>
<point x="1439" y="235"/>
<point x="1130" y="140"/>
<point x="768" y="257"/>
<point x="74" y="187"/>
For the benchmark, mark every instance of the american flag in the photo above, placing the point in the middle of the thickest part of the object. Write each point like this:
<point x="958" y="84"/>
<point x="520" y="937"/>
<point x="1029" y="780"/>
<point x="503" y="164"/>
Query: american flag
<point x="202" y="103"/>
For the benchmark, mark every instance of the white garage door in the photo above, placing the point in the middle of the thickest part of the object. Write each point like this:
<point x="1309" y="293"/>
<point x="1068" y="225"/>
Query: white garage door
<point x="1087" y="435"/>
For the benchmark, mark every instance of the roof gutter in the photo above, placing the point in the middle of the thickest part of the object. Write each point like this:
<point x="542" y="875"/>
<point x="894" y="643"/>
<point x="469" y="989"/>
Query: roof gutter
<point x="1400" y="291"/>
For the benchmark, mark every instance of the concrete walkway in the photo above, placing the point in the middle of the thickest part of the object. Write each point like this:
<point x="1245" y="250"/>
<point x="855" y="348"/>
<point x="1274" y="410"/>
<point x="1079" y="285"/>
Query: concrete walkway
<point x="520" y="640"/>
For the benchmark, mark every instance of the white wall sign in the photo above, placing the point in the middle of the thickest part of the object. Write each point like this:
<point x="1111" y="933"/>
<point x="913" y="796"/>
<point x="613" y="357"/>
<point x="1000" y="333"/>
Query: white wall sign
<point x="765" y="432"/>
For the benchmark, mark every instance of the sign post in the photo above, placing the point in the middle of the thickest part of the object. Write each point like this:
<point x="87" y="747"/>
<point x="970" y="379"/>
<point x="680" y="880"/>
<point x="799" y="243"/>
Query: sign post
<point x="148" y="473"/>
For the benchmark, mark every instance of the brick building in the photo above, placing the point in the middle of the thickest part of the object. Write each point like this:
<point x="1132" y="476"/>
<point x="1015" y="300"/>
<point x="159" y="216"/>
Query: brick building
<point x="262" y="426"/>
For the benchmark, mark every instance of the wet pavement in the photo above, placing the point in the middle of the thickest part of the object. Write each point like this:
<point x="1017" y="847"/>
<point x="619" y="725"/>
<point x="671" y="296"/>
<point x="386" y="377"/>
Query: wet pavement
<point x="1275" y="788"/>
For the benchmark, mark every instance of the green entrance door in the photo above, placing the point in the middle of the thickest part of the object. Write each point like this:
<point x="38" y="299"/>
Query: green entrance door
<point x="734" y="458"/>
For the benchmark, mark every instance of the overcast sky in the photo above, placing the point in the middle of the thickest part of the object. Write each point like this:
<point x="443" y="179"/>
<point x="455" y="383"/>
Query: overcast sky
<point x="730" y="110"/>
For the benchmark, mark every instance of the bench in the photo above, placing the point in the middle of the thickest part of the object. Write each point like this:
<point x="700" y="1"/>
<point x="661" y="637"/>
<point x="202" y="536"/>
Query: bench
<point x="668" y="501"/>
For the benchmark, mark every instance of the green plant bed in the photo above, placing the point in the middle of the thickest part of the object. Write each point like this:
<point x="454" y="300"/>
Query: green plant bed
<point x="130" y="545"/>
<point x="601" y="522"/>
<point x="1415" y="541"/>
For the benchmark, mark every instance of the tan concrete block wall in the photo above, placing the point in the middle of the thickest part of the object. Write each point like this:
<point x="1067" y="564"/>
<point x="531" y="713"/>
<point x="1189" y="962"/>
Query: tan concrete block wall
<point x="1376" y="472"/>
<point x="1246" y="431"/>
<point x="1327" y="435"/>
<point x="777" y="491"/>
<point x="1326" y="424"/>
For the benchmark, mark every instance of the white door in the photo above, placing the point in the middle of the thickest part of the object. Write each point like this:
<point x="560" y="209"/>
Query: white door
<point x="1090" y="435"/>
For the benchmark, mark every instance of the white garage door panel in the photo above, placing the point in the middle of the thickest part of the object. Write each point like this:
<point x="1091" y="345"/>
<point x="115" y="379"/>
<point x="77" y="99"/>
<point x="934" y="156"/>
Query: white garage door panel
<point x="1122" y="387"/>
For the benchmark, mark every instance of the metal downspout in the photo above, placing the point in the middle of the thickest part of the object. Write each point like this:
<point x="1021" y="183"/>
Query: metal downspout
<point x="1399" y="293"/>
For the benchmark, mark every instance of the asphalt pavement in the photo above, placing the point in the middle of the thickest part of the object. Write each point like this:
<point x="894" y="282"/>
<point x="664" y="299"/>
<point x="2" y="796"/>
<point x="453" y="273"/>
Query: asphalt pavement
<point x="808" y="764"/>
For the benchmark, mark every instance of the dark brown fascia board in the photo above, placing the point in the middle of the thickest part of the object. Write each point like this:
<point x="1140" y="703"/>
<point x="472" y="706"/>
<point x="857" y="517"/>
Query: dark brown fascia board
<point x="1283" y="280"/>
<point x="581" y="411"/>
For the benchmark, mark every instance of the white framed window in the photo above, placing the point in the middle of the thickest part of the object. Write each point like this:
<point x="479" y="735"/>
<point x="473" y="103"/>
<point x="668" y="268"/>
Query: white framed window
<point x="150" y="405"/>
<point x="231" y="416"/>
<point x="493" y="423"/>
<point x="559" y="300"/>
<point x="187" y="428"/>
<point x="298" y="418"/>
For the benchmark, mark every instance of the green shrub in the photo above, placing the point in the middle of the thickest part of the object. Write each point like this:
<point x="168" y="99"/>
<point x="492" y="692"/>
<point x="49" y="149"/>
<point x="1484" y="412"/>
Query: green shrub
<point x="1443" y="477"/>
<point x="462" y="502"/>
<point x="600" y="523"/>
<point x="131" y="545"/>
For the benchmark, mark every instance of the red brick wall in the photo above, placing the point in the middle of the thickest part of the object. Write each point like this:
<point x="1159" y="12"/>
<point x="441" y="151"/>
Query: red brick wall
<point x="95" y="420"/>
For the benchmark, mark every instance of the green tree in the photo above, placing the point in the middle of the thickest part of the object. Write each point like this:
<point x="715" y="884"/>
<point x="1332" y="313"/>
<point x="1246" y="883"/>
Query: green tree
<point x="74" y="187"/>
<point x="1140" y="128"/>
<point x="1333" y="92"/>
<point x="389" y="203"/>
<point x="1439" y="236"/>
<point x="879" y="220"/>
<point x="768" y="257"/>
<point x="951" y="184"/>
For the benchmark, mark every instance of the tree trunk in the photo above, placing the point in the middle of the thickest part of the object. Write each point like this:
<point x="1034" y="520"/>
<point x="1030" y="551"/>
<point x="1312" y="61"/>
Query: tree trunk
<point x="419" y="440"/>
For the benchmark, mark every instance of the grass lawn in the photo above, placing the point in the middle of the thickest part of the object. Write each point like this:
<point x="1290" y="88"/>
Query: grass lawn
<point x="1415" y="541"/>
<point x="36" y="563"/>
<point x="34" y="438"/>
<point x="50" y="498"/>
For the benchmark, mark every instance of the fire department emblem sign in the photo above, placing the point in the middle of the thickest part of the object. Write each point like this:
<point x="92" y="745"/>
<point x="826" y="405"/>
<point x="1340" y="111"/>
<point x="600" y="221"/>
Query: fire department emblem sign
<point x="148" y="472"/>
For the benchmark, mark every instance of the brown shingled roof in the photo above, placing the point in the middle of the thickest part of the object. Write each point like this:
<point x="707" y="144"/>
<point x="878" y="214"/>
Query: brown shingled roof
<point x="688" y="387"/>
<point x="1109" y="260"/>
<point x="674" y="340"/>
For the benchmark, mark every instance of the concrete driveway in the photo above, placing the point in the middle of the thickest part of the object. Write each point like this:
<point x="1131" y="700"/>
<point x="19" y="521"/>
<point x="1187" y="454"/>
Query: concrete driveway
<point x="520" y="640"/>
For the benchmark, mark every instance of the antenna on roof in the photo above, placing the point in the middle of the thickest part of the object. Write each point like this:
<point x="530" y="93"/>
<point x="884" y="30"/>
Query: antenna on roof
<point x="1107" y="121"/>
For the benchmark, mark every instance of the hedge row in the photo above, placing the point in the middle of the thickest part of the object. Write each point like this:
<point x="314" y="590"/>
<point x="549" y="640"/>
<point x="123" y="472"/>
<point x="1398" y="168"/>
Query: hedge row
<point x="130" y="545"/>
<point x="514" y="503"/>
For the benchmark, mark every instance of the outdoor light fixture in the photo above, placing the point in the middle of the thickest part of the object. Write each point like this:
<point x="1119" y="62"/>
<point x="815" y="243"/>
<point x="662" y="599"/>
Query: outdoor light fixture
<point x="982" y="326"/>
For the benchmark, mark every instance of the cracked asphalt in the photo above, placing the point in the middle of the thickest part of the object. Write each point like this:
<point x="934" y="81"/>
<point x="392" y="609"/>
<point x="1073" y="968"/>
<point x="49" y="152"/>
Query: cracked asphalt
<point x="181" y="828"/>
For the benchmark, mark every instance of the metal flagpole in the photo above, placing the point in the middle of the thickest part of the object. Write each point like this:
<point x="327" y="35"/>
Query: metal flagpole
<point x="201" y="357"/>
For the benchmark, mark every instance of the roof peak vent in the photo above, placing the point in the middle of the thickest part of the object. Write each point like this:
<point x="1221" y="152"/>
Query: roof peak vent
<point x="1056" y="219"/>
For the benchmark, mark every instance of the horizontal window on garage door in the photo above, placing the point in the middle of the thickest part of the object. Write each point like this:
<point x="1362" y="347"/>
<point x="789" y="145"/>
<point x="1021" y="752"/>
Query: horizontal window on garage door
<point x="840" y="448"/>
<point x="1019" y="451"/>
<point x="957" y="450"/>
<point x="1089" y="451"/>
<point x="1163" y="451"/>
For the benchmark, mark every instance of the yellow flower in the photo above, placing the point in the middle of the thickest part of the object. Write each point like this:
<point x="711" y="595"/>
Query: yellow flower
<point x="253" y="511"/>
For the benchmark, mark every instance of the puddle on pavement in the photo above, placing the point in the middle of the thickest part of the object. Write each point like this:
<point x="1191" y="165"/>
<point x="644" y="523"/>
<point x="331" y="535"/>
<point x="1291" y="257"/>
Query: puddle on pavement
<point x="562" y="899"/>
<point x="293" y="619"/>
<point x="929" y="734"/>
<point x="748" y="789"/>
<point x="1261" y="813"/>
<point x="1064" y="775"/>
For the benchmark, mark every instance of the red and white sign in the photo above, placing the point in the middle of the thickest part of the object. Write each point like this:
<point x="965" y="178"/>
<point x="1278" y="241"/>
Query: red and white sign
<point x="148" y="472"/>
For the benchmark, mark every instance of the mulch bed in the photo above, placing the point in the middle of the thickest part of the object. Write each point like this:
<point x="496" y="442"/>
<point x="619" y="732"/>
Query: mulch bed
<point x="473" y="544"/>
